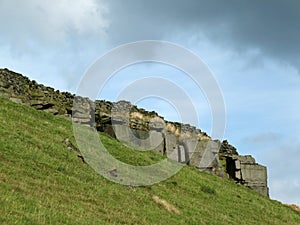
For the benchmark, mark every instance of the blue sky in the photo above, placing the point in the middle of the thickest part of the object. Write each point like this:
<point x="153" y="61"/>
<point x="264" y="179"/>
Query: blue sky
<point x="252" y="48"/>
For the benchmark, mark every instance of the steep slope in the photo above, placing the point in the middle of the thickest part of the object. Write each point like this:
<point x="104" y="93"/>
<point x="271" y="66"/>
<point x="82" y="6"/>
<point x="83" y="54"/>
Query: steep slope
<point x="180" y="142"/>
<point x="43" y="182"/>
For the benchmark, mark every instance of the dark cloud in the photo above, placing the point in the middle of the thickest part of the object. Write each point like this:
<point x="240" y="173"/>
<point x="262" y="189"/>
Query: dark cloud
<point x="271" y="27"/>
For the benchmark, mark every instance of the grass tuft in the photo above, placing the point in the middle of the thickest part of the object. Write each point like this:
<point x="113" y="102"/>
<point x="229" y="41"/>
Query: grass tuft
<point x="207" y="189"/>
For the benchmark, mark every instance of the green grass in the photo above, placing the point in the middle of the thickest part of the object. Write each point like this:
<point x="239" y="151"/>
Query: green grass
<point x="41" y="182"/>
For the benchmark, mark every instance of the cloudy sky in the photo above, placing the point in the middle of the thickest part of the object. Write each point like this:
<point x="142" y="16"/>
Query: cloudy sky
<point x="252" y="48"/>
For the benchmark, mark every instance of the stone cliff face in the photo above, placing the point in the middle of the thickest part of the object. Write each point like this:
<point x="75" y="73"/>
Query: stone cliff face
<point x="140" y="129"/>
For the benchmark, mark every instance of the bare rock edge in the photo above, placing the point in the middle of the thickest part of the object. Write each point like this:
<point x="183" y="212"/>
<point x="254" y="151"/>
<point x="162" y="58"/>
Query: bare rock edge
<point x="140" y="128"/>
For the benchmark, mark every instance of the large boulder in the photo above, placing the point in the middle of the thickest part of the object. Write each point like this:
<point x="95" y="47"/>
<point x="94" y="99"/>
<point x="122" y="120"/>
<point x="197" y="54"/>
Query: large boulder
<point x="244" y="170"/>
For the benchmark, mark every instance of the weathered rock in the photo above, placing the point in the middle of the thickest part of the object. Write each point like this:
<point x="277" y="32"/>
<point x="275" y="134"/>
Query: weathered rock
<point x="52" y="111"/>
<point x="140" y="139"/>
<point x="157" y="123"/>
<point x="244" y="170"/>
<point x="204" y="155"/>
<point x="171" y="146"/>
<point x="226" y="148"/>
<point x="72" y="147"/>
<point x="16" y="100"/>
<point x="138" y="128"/>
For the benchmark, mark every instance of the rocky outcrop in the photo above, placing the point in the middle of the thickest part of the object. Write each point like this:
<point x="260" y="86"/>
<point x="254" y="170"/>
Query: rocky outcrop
<point x="244" y="170"/>
<point x="21" y="90"/>
<point x="139" y="128"/>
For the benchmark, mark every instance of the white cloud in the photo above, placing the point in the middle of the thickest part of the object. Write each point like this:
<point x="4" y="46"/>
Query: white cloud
<point x="52" y="41"/>
<point x="31" y="21"/>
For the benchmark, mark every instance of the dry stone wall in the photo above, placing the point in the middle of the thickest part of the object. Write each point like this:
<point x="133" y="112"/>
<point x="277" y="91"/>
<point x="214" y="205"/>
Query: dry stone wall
<point x="139" y="128"/>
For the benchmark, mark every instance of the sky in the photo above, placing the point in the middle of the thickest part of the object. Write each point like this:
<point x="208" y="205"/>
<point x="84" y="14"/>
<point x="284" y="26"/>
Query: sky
<point x="251" y="47"/>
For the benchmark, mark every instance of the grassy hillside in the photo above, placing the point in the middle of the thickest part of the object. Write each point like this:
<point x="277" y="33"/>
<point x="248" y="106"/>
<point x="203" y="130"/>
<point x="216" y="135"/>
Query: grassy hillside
<point x="42" y="182"/>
